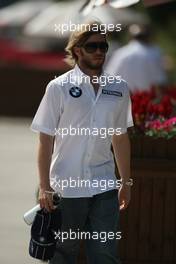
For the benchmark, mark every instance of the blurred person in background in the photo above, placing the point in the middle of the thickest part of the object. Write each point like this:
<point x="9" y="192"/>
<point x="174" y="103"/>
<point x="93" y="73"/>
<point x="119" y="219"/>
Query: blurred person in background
<point x="140" y="62"/>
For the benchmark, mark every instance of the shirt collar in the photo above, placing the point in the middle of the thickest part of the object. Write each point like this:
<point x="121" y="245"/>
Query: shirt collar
<point x="80" y="77"/>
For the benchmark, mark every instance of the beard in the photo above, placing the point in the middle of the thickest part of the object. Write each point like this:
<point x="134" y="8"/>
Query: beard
<point x="92" y="65"/>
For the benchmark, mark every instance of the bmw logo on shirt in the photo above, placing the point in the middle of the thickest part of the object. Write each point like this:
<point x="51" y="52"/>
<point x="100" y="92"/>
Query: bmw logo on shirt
<point x="75" y="91"/>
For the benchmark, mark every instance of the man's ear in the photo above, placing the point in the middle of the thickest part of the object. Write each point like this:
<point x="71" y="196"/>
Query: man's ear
<point x="77" y="51"/>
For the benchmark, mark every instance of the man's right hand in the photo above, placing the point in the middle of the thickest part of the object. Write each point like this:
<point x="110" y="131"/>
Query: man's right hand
<point x="46" y="199"/>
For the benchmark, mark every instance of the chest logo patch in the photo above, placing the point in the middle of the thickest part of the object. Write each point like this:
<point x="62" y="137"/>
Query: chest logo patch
<point x="75" y="91"/>
<point x="111" y="92"/>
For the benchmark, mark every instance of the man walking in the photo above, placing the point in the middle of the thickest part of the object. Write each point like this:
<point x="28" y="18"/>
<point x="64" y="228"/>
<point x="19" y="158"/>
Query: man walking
<point x="80" y="165"/>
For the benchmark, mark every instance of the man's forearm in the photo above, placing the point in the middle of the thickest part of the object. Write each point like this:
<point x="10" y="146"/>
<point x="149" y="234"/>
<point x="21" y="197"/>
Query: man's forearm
<point x="122" y="152"/>
<point x="44" y="160"/>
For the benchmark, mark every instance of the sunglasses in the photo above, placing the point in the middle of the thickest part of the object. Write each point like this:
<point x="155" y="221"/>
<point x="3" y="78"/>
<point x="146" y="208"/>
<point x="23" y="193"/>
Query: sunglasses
<point x="91" y="47"/>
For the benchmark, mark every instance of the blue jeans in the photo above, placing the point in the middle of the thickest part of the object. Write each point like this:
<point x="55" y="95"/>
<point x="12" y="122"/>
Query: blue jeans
<point x="98" y="216"/>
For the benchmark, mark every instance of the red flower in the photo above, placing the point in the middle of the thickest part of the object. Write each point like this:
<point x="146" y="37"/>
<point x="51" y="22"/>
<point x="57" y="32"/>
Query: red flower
<point x="146" y="107"/>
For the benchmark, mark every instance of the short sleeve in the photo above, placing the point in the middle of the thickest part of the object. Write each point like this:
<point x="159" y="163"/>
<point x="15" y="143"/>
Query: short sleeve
<point x="125" y="119"/>
<point x="48" y="114"/>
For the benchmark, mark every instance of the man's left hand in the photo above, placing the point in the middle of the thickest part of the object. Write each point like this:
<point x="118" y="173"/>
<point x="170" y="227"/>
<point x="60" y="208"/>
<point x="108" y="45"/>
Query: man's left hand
<point x="124" y="196"/>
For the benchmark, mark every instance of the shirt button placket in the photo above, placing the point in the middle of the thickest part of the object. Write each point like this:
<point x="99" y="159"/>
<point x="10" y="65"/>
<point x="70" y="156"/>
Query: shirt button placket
<point x="90" y="139"/>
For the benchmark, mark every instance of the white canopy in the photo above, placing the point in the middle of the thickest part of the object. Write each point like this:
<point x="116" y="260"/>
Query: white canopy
<point x="47" y="23"/>
<point x="18" y="14"/>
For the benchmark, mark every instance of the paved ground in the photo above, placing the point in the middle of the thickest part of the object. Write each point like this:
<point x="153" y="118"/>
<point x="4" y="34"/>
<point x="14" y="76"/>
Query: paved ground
<point x="18" y="175"/>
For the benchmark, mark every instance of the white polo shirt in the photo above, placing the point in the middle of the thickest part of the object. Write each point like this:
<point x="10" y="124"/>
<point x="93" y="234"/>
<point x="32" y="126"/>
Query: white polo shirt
<point x="82" y="162"/>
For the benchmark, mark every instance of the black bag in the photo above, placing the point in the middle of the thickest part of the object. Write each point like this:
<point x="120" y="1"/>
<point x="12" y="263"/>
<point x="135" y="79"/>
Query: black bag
<point x="44" y="230"/>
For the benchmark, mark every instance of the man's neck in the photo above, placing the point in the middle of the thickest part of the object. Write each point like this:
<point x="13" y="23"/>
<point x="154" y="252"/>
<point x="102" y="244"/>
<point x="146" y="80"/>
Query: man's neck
<point x="90" y="72"/>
